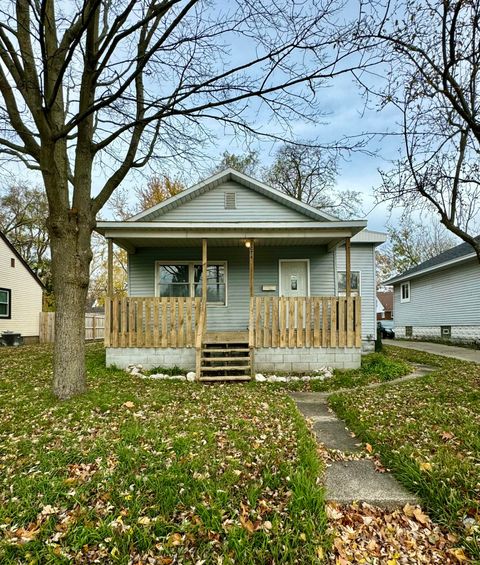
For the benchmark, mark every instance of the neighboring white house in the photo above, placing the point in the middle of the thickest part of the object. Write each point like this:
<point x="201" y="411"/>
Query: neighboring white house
<point x="440" y="298"/>
<point x="21" y="293"/>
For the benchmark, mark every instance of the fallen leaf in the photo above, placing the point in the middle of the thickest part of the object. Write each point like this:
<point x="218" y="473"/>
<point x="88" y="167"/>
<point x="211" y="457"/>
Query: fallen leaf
<point x="175" y="539"/>
<point x="247" y="524"/>
<point x="420" y="516"/>
<point x="459" y="554"/>
<point x="425" y="466"/>
<point x="408" y="510"/>
<point x="368" y="447"/>
<point x="333" y="513"/>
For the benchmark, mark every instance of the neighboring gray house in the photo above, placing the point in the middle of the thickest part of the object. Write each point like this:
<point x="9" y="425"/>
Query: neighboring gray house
<point x="440" y="298"/>
<point x="276" y="295"/>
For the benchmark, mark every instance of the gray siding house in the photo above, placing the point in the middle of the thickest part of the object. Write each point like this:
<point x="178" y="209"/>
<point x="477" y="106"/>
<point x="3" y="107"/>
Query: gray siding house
<point x="440" y="298"/>
<point x="288" y="286"/>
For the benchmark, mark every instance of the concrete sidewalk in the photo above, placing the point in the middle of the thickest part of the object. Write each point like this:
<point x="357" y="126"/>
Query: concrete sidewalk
<point x="454" y="351"/>
<point x="346" y="480"/>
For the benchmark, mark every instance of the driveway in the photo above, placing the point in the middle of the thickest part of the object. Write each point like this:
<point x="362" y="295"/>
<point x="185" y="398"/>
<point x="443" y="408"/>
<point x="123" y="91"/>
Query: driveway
<point x="461" y="353"/>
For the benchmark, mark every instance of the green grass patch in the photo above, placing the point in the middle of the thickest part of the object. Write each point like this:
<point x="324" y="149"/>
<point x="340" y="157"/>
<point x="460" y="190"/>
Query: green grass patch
<point x="375" y="368"/>
<point x="165" y="371"/>
<point x="138" y="469"/>
<point x="427" y="432"/>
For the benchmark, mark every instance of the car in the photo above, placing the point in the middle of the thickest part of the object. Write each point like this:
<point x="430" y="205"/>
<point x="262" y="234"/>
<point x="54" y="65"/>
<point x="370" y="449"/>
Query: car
<point x="386" y="329"/>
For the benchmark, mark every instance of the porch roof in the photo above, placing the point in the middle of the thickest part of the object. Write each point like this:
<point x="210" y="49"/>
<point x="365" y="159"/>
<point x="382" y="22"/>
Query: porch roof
<point x="131" y="235"/>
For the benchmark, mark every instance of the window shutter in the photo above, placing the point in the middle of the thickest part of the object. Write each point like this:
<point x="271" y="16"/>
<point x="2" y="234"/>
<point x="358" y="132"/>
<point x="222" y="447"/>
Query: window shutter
<point x="230" y="200"/>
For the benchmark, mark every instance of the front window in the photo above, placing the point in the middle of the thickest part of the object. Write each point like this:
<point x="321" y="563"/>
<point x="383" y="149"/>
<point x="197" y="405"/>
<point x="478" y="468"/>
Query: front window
<point x="354" y="283"/>
<point x="405" y="292"/>
<point x="174" y="281"/>
<point x="185" y="280"/>
<point x="5" y="302"/>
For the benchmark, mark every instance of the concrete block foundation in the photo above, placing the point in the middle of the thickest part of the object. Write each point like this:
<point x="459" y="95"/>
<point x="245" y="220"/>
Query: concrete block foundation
<point x="265" y="359"/>
<point x="151" y="357"/>
<point x="306" y="359"/>
<point x="465" y="334"/>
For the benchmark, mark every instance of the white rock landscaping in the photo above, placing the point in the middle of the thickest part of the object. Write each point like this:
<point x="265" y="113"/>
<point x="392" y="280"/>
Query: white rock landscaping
<point x="136" y="371"/>
<point x="321" y="374"/>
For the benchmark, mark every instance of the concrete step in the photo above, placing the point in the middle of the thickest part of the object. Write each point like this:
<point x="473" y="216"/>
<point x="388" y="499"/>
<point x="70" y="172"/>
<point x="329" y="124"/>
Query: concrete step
<point x="226" y="368"/>
<point x="226" y="358"/>
<point x="213" y="378"/>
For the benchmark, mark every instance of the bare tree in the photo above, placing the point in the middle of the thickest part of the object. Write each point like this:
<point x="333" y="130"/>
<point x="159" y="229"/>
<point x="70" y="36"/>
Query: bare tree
<point x="308" y="173"/>
<point x="430" y="58"/>
<point x="96" y="89"/>
<point x="410" y="243"/>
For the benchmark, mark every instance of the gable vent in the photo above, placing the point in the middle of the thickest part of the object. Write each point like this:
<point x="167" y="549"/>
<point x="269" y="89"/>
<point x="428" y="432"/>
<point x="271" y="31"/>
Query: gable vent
<point x="230" y="200"/>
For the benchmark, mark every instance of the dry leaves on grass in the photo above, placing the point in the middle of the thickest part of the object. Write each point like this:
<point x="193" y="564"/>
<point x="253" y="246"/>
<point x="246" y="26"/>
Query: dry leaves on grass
<point x="367" y="534"/>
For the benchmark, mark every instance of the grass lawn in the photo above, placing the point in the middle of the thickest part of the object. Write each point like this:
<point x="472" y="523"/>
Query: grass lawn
<point x="139" y="469"/>
<point x="375" y="368"/>
<point x="428" y="432"/>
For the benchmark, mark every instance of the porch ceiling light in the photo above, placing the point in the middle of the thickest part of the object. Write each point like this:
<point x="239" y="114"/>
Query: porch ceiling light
<point x="248" y="243"/>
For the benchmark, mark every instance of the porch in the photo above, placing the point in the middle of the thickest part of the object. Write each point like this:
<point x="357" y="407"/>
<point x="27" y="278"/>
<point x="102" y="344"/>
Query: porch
<point x="260" y="333"/>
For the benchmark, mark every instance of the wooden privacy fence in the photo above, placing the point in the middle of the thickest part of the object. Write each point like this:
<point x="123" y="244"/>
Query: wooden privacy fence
<point x="151" y="322"/>
<point x="94" y="327"/>
<point x="327" y="321"/>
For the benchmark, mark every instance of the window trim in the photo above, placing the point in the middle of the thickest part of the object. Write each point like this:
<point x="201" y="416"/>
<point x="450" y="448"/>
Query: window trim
<point x="191" y="281"/>
<point x="344" y="292"/>
<point x="407" y="285"/>
<point x="9" y="304"/>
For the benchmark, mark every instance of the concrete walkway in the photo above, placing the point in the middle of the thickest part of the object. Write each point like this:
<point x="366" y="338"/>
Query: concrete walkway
<point x="347" y="481"/>
<point x="352" y="478"/>
<point x="454" y="351"/>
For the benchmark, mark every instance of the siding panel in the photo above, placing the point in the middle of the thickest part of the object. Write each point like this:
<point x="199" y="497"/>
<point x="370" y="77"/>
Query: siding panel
<point x="445" y="298"/>
<point x="251" y="206"/>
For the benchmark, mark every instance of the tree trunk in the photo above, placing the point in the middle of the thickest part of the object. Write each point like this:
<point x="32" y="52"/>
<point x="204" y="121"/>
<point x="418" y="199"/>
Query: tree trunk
<point x="71" y="256"/>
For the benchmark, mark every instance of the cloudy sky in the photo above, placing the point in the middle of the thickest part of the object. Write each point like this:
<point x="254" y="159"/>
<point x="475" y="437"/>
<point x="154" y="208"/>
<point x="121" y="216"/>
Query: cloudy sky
<point x="346" y="115"/>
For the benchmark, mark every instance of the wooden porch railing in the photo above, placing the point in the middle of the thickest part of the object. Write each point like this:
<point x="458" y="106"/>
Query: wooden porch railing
<point x="274" y="322"/>
<point x="306" y="322"/>
<point x="151" y="322"/>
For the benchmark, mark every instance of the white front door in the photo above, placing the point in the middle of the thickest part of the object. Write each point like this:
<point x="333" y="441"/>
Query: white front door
<point x="294" y="278"/>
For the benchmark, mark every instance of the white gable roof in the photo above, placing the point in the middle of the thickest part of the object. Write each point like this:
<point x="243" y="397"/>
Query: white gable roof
<point x="235" y="176"/>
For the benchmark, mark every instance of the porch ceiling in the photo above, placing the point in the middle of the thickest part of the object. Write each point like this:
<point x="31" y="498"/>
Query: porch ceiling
<point x="132" y="235"/>
<point x="223" y="242"/>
